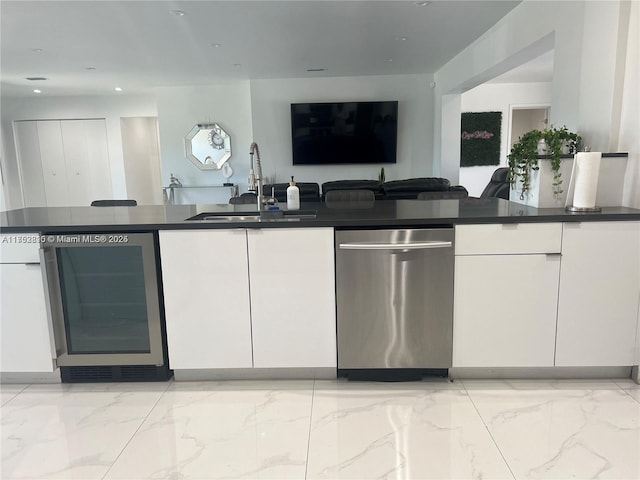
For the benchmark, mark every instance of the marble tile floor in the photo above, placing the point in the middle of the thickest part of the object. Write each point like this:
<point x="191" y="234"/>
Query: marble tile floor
<point x="553" y="429"/>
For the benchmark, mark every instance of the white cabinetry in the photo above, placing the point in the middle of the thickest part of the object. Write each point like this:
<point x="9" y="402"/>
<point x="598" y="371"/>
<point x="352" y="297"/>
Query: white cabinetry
<point x="25" y="334"/>
<point x="292" y="297"/>
<point x="236" y="299"/>
<point x="599" y="290"/>
<point x="63" y="162"/>
<point x="206" y="298"/>
<point x="505" y="297"/>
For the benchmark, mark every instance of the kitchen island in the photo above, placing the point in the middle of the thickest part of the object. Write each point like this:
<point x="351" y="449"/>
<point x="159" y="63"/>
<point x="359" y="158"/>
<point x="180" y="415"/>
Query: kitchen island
<point x="387" y="213"/>
<point x="537" y="291"/>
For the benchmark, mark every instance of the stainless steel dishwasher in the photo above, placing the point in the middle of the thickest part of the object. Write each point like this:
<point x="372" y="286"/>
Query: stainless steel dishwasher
<point x="394" y="293"/>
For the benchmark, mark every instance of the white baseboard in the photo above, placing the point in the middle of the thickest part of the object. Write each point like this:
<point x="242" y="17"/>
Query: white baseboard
<point x="539" y="372"/>
<point x="31" y="377"/>
<point x="191" y="375"/>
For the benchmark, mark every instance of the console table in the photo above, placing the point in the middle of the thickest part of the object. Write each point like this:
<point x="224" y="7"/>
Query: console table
<point x="168" y="193"/>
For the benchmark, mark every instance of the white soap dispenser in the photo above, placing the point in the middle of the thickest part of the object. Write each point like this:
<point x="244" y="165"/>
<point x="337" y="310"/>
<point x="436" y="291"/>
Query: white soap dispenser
<point x="293" y="196"/>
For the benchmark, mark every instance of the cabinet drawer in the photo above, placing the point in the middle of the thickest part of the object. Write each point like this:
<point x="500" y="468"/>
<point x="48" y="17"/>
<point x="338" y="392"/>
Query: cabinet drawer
<point x="20" y="248"/>
<point x="509" y="238"/>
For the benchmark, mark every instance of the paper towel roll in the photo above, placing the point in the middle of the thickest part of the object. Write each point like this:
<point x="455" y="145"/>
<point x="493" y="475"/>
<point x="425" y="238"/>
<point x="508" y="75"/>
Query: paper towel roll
<point x="586" y="171"/>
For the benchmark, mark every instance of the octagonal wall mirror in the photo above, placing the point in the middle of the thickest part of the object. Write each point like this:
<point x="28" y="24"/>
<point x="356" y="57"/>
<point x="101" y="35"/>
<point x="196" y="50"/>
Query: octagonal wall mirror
<point x="208" y="146"/>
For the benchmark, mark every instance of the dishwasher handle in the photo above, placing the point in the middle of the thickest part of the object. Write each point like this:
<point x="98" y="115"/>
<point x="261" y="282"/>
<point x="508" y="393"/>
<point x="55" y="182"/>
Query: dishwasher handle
<point x="396" y="246"/>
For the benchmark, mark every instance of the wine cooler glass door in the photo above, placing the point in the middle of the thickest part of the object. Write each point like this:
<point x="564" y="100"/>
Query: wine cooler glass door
<point x="105" y="302"/>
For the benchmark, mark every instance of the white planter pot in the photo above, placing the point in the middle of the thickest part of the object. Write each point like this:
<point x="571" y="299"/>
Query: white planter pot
<point x="542" y="147"/>
<point x="540" y="194"/>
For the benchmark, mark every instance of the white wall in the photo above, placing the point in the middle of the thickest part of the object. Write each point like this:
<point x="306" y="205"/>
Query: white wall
<point x="141" y="153"/>
<point x="111" y="108"/>
<point x="270" y="101"/>
<point x="590" y="47"/>
<point x="179" y="109"/>
<point x="447" y="140"/>
<point x="592" y="92"/>
<point x="499" y="97"/>
<point x="604" y="53"/>
<point x="243" y="109"/>
<point x="629" y="140"/>
<point x="3" y="188"/>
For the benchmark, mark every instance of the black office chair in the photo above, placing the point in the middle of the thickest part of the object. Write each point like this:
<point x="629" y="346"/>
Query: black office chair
<point x="114" y="203"/>
<point x="499" y="185"/>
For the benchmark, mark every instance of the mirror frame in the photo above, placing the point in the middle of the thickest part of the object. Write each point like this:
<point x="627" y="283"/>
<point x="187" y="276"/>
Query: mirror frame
<point x="213" y="148"/>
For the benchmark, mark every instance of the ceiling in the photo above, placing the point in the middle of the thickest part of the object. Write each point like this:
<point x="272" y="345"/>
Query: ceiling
<point x="91" y="47"/>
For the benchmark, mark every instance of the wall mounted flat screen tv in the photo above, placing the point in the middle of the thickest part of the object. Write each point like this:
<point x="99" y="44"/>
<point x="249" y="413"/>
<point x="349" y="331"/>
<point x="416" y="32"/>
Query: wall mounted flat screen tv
<point x="344" y="133"/>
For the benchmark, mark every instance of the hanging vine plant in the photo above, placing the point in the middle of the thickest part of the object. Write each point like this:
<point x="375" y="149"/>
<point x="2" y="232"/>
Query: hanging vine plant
<point x="523" y="159"/>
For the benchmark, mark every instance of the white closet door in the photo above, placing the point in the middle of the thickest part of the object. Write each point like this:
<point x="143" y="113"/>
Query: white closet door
<point x="30" y="164"/>
<point x="87" y="160"/>
<point x="53" y="163"/>
<point x="75" y="143"/>
<point x="63" y="162"/>
<point x="98" y="155"/>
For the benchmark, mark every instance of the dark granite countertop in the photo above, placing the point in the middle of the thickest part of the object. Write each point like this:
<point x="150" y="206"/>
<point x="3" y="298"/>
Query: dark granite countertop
<point x="391" y="213"/>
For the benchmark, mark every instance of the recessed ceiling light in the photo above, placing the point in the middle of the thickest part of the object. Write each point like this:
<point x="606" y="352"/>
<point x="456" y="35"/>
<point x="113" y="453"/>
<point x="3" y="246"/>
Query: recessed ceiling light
<point x="422" y="4"/>
<point x="178" y="13"/>
<point x="36" y="50"/>
<point x="37" y="91"/>
<point x="388" y="59"/>
<point x="401" y="38"/>
<point x="118" y="89"/>
<point x="215" y="45"/>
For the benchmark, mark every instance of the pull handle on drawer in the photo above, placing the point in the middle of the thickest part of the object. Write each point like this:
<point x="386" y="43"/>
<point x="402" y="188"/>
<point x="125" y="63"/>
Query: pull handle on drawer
<point x="396" y="246"/>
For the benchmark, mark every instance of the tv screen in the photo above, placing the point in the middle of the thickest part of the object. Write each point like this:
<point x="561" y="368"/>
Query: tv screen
<point x="344" y="133"/>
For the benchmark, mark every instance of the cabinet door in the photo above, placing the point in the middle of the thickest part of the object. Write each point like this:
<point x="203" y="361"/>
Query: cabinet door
<point x="599" y="288"/>
<point x="293" y="297"/>
<point x="25" y="337"/>
<point x="206" y="298"/>
<point x="505" y="310"/>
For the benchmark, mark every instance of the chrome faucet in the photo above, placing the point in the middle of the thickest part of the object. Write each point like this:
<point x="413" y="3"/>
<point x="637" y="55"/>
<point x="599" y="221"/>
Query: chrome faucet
<point x="253" y="186"/>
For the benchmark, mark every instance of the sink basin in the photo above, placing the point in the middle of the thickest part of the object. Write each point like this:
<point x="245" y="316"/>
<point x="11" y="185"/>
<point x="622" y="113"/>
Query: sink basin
<point x="299" y="213"/>
<point x="287" y="214"/>
<point x="225" y="217"/>
<point x="270" y="215"/>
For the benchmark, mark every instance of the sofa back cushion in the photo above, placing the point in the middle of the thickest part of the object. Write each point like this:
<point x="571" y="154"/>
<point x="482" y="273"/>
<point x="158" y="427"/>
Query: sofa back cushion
<point x="372" y="185"/>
